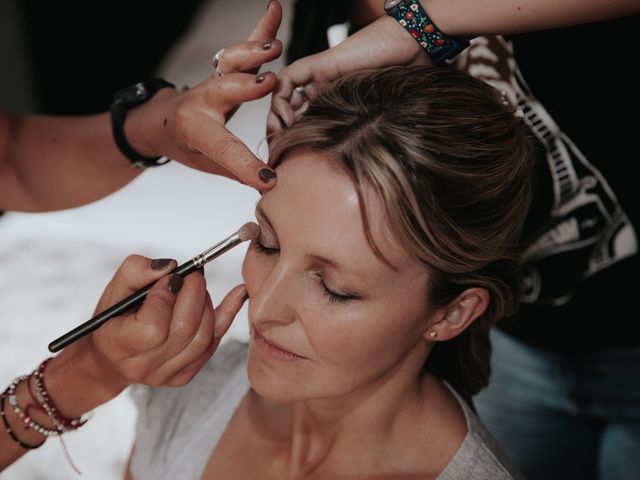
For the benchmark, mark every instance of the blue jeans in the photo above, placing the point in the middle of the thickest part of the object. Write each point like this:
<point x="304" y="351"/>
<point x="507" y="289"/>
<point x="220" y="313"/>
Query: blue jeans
<point x="564" y="417"/>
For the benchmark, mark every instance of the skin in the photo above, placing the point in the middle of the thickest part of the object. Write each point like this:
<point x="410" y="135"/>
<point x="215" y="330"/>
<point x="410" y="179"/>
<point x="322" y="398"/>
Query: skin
<point x="352" y="402"/>
<point x="165" y="342"/>
<point x="51" y="163"/>
<point x="174" y="333"/>
<point x="384" y="42"/>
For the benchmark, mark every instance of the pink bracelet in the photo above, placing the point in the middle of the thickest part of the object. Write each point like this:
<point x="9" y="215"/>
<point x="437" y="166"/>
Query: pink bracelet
<point x="62" y="423"/>
<point x="29" y="423"/>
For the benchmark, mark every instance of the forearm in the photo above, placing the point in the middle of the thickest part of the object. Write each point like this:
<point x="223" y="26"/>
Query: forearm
<point x="469" y="18"/>
<point x="51" y="163"/>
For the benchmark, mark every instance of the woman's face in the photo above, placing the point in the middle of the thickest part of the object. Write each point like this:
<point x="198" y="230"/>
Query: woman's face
<point x="327" y="316"/>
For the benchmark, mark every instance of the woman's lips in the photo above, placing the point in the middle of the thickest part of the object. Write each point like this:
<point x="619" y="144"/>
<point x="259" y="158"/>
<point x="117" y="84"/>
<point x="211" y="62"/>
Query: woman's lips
<point x="273" y="349"/>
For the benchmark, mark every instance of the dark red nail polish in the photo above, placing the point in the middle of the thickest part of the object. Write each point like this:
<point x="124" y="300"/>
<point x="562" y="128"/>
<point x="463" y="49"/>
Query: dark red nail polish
<point x="175" y="283"/>
<point x="266" y="46"/>
<point x="266" y="175"/>
<point x="260" y="78"/>
<point x="160" y="263"/>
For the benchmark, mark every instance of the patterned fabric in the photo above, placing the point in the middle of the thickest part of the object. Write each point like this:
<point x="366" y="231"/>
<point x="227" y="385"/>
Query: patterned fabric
<point x="581" y="232"/>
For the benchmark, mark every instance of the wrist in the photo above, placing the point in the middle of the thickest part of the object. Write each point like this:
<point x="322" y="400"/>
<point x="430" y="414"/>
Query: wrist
<point x="424" y="30"/>
<point x="125" y="101"/>
<point x="146" y="125"/>
<point x="400" y="47"/>
<point x="77" y="381"/>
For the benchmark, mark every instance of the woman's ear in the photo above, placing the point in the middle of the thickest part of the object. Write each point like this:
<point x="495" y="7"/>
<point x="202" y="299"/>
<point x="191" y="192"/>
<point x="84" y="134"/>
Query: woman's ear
<point x="458" y="315"/>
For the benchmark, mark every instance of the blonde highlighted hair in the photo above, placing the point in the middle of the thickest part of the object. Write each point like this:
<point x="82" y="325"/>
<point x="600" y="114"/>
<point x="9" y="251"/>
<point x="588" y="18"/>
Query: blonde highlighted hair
<point x="452" y="166"/>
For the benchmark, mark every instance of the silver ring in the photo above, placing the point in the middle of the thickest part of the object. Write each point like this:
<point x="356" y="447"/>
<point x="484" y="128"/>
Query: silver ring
<point x="216" y="62"/>
<point x="303" y="93"/>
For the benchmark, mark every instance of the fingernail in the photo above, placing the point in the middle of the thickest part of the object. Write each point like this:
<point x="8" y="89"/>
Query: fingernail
<point x="175" y="283"/>
<point x="268" y="4"/>
<point x="245" y="298"/>
<point x="160" y="263"/>
<point x="266" y="46"/>
<point x="266" y="175"/>
<point x="260" y="78"/>
<point x="200" y="271"/>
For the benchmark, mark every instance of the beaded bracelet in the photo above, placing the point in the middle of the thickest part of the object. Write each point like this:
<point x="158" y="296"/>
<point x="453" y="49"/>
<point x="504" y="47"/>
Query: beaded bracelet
<point x="62" y="423"/>
<point x="29" y="423"/>
<point x="9" y="430"/>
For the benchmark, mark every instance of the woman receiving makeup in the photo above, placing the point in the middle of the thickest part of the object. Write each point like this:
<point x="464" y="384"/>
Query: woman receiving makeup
<point x="387" y="250"/>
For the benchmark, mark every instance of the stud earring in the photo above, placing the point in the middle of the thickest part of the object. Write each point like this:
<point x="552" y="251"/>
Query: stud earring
<point x="433" y="334"/>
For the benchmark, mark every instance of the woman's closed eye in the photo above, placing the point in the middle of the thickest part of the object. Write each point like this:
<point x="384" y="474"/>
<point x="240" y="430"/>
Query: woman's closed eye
<point x="261" y="248"/>
<point x="334" y="296"/>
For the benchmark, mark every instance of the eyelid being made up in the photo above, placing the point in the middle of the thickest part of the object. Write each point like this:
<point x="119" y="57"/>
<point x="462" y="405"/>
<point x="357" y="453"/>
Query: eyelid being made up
<point x="336" y="294"/>
<point x="333" y="296"/>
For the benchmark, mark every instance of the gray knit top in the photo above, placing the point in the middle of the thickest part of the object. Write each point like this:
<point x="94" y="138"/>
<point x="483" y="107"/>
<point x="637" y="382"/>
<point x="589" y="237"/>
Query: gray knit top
<point x="178" y="428"/>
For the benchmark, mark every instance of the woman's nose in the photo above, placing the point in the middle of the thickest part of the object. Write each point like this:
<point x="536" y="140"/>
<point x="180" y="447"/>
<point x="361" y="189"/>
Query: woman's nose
<point x="274" y="302"/>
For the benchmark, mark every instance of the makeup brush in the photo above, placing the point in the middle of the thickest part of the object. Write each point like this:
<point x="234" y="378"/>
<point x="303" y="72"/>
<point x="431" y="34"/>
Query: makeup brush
<point x="248" y="231"/>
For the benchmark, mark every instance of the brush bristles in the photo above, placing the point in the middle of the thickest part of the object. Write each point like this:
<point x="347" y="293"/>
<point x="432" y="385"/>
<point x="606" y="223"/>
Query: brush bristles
<point x="249" y="231"/>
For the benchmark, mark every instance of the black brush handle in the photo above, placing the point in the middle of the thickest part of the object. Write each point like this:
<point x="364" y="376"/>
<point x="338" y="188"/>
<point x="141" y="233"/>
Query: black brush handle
<point x="119" y="308"/>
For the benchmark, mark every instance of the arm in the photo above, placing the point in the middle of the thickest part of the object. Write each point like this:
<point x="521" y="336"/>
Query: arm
<point x="165" y="342"/>
<point x="469" y="18"/>
<point x="47" y="163"/>
<point x="384" y="42"/>
<point x="50" y="163"/>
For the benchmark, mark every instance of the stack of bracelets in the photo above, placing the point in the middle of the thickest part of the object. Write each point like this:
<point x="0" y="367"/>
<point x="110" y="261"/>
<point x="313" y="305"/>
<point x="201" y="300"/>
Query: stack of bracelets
<point x="41" y="402"/>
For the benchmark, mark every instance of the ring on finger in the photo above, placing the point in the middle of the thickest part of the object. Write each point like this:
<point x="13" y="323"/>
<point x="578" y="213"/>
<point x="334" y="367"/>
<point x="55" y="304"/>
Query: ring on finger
<point x="303" y="93"/>
<point x="216" y="62"/>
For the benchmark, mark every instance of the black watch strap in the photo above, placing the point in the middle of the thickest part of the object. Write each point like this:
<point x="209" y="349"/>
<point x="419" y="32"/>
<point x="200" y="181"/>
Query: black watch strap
<point x="125" y="99"/>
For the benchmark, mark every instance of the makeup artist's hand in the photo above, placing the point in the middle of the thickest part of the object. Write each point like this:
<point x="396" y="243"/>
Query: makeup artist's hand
<point x="169" y="338"/>
<point x="380" y="44"/>
<point x="188" y="126"/>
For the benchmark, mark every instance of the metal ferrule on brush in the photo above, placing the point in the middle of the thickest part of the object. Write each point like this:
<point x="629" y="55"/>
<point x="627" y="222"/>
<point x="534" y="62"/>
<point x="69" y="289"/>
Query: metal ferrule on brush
<point x="217" y="250"/>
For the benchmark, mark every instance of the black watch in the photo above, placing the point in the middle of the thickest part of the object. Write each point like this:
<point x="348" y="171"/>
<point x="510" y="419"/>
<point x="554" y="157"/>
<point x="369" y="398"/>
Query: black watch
<point x="125" y="99"/>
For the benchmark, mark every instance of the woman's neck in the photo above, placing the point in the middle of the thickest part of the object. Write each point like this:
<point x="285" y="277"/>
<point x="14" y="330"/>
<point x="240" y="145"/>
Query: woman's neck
<point x="363" y="431"/>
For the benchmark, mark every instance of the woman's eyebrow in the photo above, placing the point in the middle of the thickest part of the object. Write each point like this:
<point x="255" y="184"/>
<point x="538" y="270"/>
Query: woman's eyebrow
<point x="331" y="262"/>
<point x="261" y="213"/>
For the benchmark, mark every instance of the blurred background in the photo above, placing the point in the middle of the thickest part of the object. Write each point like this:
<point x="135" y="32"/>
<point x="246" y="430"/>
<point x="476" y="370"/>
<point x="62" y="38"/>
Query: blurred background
<point x="61" y="59"/>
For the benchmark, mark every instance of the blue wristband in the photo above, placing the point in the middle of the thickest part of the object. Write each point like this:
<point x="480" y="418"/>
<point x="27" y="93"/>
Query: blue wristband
<point x="411" y="15"/>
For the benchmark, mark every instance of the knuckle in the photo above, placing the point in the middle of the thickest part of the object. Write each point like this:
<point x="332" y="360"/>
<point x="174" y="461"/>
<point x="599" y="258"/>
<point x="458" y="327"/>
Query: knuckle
<point x="179" y="380"/>
<point x="184" y="329"/>
<point x="196" y="282"/>
<point x="155" y="382"/>
<point x="160" y="300"/>
<point x="131" y="264"/>
<point x="182" y="124"/>
<point x="152" y="334"/>
<point x="134" y="374"/>
<point x="200" y="343"/>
